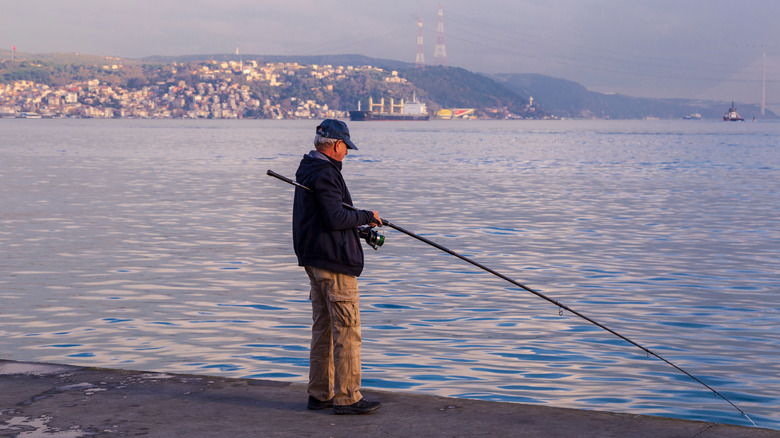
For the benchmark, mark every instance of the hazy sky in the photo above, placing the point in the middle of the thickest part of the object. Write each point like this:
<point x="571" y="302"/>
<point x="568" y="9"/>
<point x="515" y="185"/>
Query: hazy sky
<point x="709" y="49"/>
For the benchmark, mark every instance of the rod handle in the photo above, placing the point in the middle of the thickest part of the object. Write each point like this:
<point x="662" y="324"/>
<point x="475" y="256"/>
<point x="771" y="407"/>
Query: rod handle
<point x="287" y="180"/>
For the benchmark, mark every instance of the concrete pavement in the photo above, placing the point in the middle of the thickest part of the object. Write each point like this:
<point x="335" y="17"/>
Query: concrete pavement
<point x="46" y="400"/>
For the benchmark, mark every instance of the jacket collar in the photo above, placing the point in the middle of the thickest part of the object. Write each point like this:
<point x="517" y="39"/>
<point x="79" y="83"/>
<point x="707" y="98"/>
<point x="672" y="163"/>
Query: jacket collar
<point x="317" y="155"/>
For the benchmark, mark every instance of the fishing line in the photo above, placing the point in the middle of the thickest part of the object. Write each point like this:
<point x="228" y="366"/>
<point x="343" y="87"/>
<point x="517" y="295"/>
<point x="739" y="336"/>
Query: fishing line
<point x="524" y="287"/>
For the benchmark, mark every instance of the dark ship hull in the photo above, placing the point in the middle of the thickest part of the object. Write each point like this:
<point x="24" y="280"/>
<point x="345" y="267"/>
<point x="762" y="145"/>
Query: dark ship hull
<point x="370" y="115"/>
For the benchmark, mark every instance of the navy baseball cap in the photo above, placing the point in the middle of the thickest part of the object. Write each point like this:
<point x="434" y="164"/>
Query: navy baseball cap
<point x="336" y="129"/>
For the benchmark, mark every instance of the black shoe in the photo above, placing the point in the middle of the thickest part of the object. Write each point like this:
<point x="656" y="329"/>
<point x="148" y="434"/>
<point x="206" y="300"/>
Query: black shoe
<point x="316" y="405"/>
<point x="362" y="406"/>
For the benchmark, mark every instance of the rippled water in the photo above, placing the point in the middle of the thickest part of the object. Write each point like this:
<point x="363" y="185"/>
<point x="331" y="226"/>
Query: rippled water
<point x="162" y="245"/>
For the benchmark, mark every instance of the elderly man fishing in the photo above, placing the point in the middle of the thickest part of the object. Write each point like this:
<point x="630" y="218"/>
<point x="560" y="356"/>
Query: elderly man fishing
<point x="327" y="245"/>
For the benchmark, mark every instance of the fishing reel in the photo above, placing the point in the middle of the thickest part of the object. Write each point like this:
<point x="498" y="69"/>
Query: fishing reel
<point x="371" y="236"/>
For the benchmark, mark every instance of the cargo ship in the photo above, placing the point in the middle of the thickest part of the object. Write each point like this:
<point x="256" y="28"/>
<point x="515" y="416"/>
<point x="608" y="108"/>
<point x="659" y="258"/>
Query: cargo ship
<point x="413" y="110"/>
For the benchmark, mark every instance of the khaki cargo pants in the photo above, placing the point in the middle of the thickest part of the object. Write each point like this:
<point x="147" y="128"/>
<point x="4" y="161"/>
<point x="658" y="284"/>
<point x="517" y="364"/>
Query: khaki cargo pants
<point x="334" y="359"/>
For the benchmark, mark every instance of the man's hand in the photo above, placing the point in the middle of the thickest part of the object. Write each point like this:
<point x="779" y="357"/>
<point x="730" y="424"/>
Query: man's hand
<point x="377" y="221"/>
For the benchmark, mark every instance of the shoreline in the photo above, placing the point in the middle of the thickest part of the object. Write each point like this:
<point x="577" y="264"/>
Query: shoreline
<point x="68" y="401"/>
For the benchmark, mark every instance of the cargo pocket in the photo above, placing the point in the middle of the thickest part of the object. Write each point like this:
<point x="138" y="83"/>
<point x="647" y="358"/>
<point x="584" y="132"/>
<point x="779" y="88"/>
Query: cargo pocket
<point x="345" y="310"/>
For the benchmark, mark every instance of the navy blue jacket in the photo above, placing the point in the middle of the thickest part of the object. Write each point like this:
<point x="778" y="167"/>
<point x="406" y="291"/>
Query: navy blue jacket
<point x="324" y="232"/>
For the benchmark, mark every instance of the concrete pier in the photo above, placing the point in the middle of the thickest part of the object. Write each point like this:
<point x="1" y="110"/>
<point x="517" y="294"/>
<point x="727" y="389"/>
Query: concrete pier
<point x="42" y="400"/>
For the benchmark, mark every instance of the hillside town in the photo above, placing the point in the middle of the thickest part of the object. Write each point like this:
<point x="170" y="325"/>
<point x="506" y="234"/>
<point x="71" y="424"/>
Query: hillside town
<point x="213" y="90"/>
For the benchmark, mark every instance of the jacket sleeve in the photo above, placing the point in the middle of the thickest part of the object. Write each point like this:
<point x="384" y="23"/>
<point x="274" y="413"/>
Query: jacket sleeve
<point x="329" y="189"/>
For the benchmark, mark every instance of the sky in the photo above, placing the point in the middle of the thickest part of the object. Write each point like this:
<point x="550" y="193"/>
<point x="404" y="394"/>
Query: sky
<point x="695" y="49"/>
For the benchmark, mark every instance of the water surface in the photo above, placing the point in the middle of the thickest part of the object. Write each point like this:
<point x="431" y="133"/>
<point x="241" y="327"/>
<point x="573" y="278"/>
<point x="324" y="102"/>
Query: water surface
<point x="163" y="246"/>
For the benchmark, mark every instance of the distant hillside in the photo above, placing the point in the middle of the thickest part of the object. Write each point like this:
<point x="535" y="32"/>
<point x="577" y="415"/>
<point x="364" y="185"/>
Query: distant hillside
<point x="345" y="60"/>
<point x="441" y="87"/>
<point x="493" y="96"/>
<point x="67" y="58"/>
<point x="563" y="98"/>
<point x="452" y="87"/>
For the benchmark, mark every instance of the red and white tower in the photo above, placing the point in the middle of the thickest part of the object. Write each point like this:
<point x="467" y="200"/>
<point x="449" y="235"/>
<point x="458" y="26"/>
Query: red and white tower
<point x="420" y="61"/>
<point x="440" y="53"/>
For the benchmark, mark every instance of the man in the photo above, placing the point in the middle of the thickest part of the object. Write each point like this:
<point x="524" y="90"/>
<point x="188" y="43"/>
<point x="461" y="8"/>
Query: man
<point x="327" y="245"/>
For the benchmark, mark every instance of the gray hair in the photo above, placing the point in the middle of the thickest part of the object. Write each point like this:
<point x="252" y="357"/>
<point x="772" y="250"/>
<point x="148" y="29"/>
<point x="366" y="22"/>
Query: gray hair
<point x="321" y="142"/>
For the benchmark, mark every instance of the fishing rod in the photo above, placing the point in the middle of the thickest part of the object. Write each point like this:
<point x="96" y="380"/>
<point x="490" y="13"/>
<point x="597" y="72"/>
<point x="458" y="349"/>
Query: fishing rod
<point x="526" y="288"/>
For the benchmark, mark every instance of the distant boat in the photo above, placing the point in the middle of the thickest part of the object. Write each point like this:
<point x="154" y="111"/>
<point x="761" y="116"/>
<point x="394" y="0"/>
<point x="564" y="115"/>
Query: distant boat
<point x="413" y="110"/>
<point x="28" y="115"/>
<point x="732" y="115"/>
<point x="694" y="116"/>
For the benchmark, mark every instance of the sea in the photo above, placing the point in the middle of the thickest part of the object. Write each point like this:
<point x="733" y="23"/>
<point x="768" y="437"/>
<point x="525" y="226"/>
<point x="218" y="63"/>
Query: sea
<point x="163" y="245"/>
